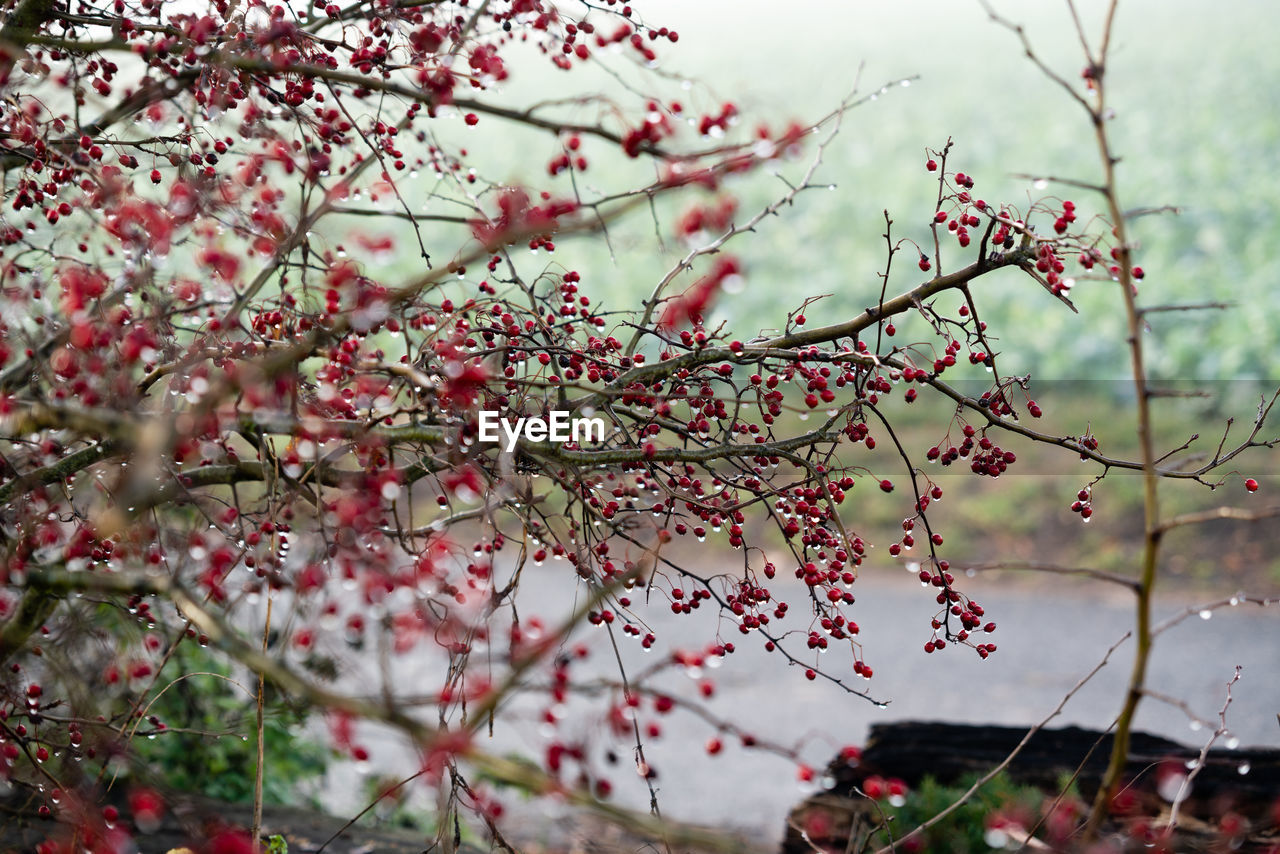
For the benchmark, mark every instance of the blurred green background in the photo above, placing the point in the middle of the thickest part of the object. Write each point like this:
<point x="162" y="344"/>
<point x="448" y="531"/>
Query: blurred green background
<point x="1196" y="92"/>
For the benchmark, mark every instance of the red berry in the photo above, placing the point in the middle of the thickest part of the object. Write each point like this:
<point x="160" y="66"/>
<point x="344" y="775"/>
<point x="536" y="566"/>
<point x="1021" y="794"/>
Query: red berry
<point x="932" y="165"/>
<point x="886" y="486"/>
<point x="1251" y="485"/>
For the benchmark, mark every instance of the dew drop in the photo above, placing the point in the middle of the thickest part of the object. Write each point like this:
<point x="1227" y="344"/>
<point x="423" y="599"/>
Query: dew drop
<point x="996" y="838"/>
<point x="1243" y="768"/>
<point x="1040" y="183"/>
<point x="1206" y="614"/>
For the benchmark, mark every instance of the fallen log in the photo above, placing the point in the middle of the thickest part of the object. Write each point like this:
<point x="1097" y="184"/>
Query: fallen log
<point x="1244" y="783"/>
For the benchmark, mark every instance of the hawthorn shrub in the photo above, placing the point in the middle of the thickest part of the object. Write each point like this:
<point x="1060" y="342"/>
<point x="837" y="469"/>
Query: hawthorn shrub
<point x="259" y="300"/>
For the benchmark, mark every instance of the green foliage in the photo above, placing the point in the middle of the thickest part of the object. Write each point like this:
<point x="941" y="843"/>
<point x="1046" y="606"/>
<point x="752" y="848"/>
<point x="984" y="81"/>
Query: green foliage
<point x="1210" y="164"/>
<point x="210" y="745"/>
<point x="965" y="830"/>
<point x="277" y="844"/>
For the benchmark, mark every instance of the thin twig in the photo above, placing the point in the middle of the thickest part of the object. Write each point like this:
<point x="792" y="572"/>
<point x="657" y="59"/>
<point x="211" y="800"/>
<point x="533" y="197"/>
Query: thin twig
<point x="1054" y="569"/>
<point x="1185" y="789"/>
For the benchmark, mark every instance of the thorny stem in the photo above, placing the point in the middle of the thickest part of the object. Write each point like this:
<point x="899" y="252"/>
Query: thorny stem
<point x="1153" y="527"/>
<point x="1153" y="531"/>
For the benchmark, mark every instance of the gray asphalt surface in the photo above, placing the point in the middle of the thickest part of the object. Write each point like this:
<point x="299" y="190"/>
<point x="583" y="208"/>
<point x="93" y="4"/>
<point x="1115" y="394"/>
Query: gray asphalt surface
<point x="1049" y="637"/>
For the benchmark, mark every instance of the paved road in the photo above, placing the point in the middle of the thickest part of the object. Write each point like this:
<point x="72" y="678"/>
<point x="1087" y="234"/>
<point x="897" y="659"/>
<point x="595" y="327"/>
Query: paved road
<point x="1049" y="637"/>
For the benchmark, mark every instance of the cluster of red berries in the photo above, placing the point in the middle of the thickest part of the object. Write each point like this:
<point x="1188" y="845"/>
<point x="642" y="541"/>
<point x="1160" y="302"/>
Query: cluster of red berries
<point x="1083" y="504"/>
<point x="991" y="460"/>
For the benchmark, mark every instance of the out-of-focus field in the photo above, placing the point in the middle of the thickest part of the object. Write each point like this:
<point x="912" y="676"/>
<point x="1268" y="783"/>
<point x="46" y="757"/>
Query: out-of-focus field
<point x="1196" y="96"/>
<point x="1197" y="123"/>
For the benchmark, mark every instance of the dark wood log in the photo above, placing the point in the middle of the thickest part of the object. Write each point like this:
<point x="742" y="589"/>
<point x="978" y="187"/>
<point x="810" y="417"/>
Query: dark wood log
<point x="1244" y="781"/>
